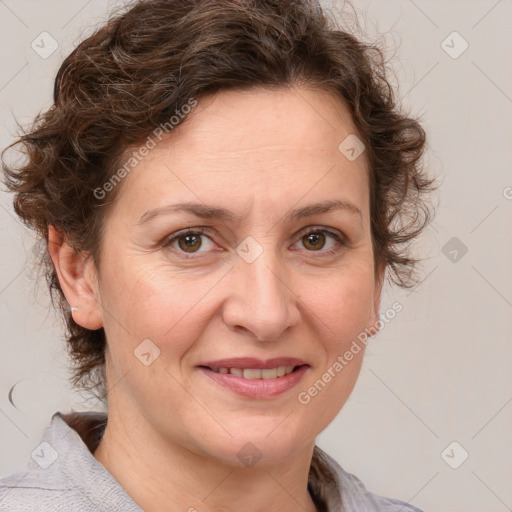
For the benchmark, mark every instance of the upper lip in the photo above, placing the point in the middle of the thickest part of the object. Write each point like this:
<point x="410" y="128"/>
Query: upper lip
<point x="254" y="363"/>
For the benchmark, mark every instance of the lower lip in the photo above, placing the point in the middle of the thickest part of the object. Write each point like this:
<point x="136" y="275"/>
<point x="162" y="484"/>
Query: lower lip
<point x="257" y="388"/>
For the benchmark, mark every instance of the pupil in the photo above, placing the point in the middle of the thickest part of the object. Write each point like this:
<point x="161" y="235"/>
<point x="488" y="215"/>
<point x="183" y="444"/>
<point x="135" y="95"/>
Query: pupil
<point x="189" y="242"/>
<point x="313" y="239"/>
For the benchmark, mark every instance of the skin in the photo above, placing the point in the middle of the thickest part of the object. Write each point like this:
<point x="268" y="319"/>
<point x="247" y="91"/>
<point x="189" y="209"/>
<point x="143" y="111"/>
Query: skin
<point x="173" y="434"/>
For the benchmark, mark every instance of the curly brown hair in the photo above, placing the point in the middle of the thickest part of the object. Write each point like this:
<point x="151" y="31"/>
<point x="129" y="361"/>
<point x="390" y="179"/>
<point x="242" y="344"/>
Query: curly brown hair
<point x="143" y="65"/>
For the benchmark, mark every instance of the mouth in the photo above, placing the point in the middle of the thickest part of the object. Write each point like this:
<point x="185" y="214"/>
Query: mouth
<point x="276" y="372"/>
<point x="256" y="383"/>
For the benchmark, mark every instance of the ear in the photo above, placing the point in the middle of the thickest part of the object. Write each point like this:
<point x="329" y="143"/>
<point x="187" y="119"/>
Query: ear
<point x="78" y="280"/>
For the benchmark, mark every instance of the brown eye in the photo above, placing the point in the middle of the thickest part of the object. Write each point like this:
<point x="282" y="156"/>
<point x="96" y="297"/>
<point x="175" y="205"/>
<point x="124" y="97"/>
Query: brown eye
<point x="317" y="240"/>
<point x="314" y="241"/>
<point x="189" y="243"/>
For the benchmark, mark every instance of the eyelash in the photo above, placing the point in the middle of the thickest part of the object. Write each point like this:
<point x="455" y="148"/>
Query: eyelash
<point x="202" y="231"/>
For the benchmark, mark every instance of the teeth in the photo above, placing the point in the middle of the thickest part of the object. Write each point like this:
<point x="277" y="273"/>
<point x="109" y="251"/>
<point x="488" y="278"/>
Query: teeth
<point x="255" y="373"/>
<point x="251" y="374"/>
<point x="268" y="373"/>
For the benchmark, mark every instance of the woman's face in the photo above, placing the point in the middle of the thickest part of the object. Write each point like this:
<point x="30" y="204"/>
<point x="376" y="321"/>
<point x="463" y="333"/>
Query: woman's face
<point x="253" y="284"/>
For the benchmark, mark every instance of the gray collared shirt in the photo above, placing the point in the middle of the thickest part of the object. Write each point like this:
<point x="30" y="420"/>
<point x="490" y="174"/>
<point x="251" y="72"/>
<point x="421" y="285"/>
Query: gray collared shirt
<point x="63" y="475"/>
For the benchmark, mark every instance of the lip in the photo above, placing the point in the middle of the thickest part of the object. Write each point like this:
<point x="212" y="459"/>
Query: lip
<point x="252" y="362"/>
<point x="257" y="388"/>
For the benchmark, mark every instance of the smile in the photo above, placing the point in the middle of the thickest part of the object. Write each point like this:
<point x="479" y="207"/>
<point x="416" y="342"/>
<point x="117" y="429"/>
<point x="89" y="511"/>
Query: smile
<point x="256" y="384"/>
<point x="257" y="373"/>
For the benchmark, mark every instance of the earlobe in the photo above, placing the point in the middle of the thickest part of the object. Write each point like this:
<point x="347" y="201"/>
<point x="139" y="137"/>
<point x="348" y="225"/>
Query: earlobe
<point x="78" y="280"/>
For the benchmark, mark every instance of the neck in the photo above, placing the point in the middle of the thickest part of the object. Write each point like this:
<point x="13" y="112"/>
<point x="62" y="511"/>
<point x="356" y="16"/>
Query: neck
<point x="157" y="472"/>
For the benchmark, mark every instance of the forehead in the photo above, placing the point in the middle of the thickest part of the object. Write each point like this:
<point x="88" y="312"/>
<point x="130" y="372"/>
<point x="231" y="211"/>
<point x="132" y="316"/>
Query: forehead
<point x="287" y="121"/>
<point x="260" y="145"/>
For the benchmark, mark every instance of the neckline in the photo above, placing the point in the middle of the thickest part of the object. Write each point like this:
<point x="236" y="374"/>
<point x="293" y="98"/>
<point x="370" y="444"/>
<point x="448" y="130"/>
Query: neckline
<point x="90" y="426"/>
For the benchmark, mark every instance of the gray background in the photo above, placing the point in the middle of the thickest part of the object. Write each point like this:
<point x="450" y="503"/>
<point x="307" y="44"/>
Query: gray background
<point x="438" y="373"/>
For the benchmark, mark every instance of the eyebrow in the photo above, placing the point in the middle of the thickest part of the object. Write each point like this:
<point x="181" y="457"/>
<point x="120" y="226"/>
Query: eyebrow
<point x="214" y="212"/>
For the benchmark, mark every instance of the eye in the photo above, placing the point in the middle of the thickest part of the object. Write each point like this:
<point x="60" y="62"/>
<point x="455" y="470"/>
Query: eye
<point x="314" y="240"/>
<point x="189" y="241"/>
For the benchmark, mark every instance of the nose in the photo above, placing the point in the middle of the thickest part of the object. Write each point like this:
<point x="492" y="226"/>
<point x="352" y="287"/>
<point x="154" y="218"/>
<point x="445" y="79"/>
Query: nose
<point x="261" y="299"/>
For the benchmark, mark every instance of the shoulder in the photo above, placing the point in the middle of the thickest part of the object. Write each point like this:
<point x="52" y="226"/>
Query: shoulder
<point x="63" y="475"/>
<point x="31" y="490"/>
<point x="43" y="483"/>
<point x="353" y="494"/>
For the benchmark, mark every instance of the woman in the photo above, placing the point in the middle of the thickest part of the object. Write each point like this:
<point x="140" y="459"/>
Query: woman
<point x="222" y="187"/>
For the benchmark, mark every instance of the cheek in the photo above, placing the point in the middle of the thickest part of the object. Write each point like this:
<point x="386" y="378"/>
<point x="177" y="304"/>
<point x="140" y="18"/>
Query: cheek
<point x="342" y="303"/>
<point x="165" y="306"/>
<point x="341" y="311"/>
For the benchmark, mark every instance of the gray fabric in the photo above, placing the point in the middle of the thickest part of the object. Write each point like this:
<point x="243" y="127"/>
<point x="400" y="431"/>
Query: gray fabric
<point x="63" y="475"/>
